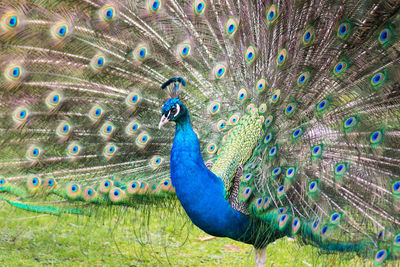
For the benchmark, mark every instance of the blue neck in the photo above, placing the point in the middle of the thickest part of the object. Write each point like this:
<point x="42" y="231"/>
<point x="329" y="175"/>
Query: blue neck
<point x="201" y="192"/>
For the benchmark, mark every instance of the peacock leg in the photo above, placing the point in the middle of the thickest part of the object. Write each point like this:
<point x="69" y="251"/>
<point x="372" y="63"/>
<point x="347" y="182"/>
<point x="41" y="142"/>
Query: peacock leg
<point x="261" y="257"/>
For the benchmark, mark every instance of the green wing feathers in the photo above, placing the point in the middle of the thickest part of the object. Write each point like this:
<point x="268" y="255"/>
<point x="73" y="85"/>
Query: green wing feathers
<point x="238" y="148"/>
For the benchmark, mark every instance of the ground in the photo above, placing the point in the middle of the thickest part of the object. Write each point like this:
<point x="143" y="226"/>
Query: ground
<point x="120" y="237"/>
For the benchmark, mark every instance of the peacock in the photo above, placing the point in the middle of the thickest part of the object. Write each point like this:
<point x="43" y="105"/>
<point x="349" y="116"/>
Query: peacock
<point x="278" y="118"/>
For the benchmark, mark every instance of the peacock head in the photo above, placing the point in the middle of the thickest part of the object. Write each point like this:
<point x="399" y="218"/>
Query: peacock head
<point x="172" y="110"/>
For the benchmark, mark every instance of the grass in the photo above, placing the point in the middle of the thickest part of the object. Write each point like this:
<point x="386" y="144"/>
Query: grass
<point x="120" y="236"/>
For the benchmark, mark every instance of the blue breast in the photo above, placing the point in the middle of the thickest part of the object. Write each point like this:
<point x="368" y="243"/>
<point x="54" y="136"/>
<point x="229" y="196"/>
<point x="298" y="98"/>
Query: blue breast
<point x="201" y="192"/>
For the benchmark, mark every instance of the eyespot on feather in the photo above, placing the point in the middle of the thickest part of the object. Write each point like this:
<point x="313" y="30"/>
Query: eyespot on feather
<point x="233" y="120"/>
<point x="261" y="85"/>
<point x="107" y="13"/>
<point x="385" y="36"/>
<point x="143" y="188"/>
<point x="334" y="218"/>
<point x="251" y="108"/>
<point x="214" y="108"/>
<point x="106" y="186"/>
<point x="324" y="232"/>
<point x="316" y="151"/>
<point x="132" y="128"/>
<point x="340" y="68"/>
<point x="271" y="14"/>
<point x="221" y="125"/>
<point x="322" y="106"/>
<point x="133" y="187"/>
<point x="376" y="137"/>
<point x="33" y="182"/>
<point x="184" y="49"/>
<point x="396" y="188"/>
<point x="166" y="185"/>
<point x="3" y="181"/>
<point x="89" y="194"/>
<point x="281" y="191"/>
<point x="303" y="78"/>
<point x="282" y="57"/>
<point x="269" y="120"/>
<point x="153" y="6"/>
<point x="199" y="6"/>
<point x="308" y="36"/>
<point x="141" y="52"/>
<point x="96" y="113"/>
<point x="107" y="130"/>
<point x="154" y="188"/>
<point x="74" y="191"/>
<point x="250" y="54"/>
<point x="10" y="21"/>
<point x="242" y="95"/>
<point x="340" y="170"/>
<point x="267" y="202"/>
<point x="290" y="173"/>
<point x="109" y="150"/>
<point x="246" y="177"/>
<point x="283" y="221"/>
<point x="231" y="27"/>
<point x="296" y="225"/>
<point x="33" y="153"/>
<point x="381" y="256"/>
<point x="343" y="30"/>
<point x="143" y="139"/>
<point x="63" y="129"/>
<point x="281" y="210"/>
<point x="259" y="203"/>
<point x="313" y="187"/>
<point x="350" y="123"/>
<point x="263" y="108"/>
<point x="245" y="194"/>
<point x="13" y="72"/>
<point x="275" y="96"/>
<point x="50" y="183"/>
<point x="54" y="99"/>
<point x="156" y="162"/>
<point x="98" y="62"/>
<point x="59" y="31"/>
<point x="219" y="71"/>
<point x="212" y="148"/>
<point x="116" y="195"/>
<point x="378" y="79"/>
<point x="133" y="99"/>
<point x="297" y="133"/>
<point x="396" y="240"/>
<point x="290" y="109"/>
<point x="74" y="149"/>
<point x="315" y="225"/>
<point x="275" y="172"/>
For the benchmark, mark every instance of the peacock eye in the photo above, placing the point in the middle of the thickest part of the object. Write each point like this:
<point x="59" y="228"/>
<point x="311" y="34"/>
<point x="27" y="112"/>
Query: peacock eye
<point x="173" y="110"/>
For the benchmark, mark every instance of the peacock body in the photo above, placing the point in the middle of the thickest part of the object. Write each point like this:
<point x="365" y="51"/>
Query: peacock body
<point x="295" y="104"/>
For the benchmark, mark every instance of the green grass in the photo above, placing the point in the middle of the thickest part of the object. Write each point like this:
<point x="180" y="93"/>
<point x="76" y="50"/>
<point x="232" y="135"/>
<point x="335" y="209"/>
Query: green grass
<point x="124" y="237"/>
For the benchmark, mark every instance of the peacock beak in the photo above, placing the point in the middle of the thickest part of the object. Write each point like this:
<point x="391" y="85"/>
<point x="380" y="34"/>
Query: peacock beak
<point x="164" y="120"/>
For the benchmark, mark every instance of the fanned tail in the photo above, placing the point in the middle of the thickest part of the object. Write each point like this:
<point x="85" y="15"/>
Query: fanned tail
<point x="311" y="88"/>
